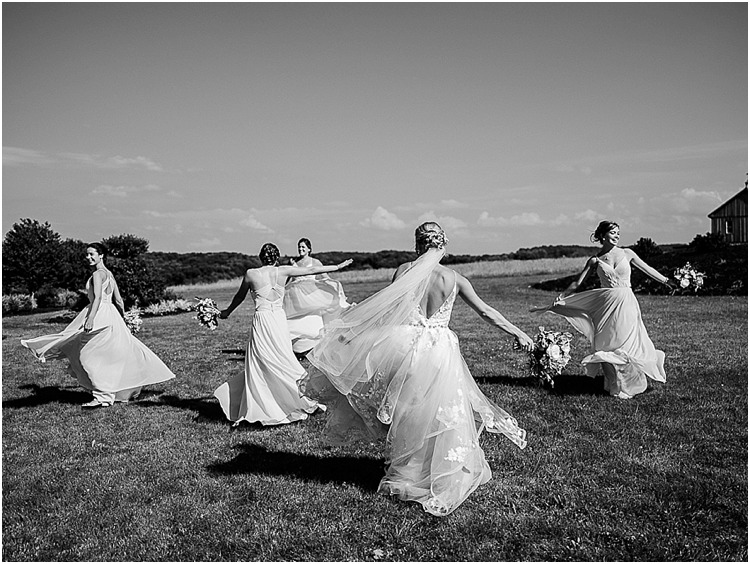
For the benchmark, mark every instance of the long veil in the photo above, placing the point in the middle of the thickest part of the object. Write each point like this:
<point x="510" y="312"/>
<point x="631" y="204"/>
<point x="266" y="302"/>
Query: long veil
<point x="342" y="353"/>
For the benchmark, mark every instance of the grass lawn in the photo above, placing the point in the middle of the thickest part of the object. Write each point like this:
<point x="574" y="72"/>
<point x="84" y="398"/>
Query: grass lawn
<point x="661" y="477"/>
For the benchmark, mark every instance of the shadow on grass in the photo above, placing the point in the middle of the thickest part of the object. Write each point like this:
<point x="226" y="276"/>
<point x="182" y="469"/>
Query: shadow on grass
<point x="65" y="317"/>
<point x="239" y="352"/>
<point x="365" y="473"/>
<point x="206" y="408"/>
<point x="565" y="384"/>
<point x="41" y="395"/>
<point x="570" y="385"/>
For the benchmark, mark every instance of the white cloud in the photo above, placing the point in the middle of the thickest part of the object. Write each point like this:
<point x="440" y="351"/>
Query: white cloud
<point x="451" y="225"/>
<point x="524" y="219"/>
<point x="453" y="204"/>
<point x="383" y="219"/>
<point x="687" y="202"/>
<point x="251" y="222"/>
<point x="123" y="191"/>
<point x="561" y="219"/>
<point x="707" y="151"/>
<point x="16" y="156"/>
<point x="589" y="216"/>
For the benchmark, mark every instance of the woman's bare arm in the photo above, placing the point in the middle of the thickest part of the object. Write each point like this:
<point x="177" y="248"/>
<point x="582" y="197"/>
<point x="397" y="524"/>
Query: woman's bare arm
<point x="641" y="265"/>
<point x="117" y="298"/>
<point x="587" y="270"/>
<point x="98" y="282"/>
<point x="239" y="297"/>
<point x="288" y="271"/>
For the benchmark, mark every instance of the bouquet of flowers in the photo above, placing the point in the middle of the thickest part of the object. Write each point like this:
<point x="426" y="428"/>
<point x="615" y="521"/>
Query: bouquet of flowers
<point x="688" y="277"/>
<point x="550" y="355"/>
<point x="133" y="320"/>
<point x="208" y="313"/>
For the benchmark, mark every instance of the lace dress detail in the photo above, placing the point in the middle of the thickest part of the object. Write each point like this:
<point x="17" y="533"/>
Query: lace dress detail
<point x="419" y="397"/>
<point x="610" y="318"/>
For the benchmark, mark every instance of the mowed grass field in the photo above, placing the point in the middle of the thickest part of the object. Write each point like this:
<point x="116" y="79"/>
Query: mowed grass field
<point x="661" y="477"/>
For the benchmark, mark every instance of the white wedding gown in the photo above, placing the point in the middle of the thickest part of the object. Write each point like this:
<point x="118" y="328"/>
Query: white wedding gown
<point x="266" y="392"/>
<point x="610" y="318"/>
<point x="412" y="388"/>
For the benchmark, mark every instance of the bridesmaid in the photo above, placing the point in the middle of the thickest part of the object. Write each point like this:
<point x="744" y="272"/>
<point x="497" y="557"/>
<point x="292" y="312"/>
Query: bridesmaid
<point x="103" y="355"/>
<point x="267" y="392"/>
<point x="310" y="301"/>
<point x="611" y="318"/>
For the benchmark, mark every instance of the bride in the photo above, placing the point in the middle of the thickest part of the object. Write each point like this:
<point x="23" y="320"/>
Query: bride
<point x="267" y="390"/>
<point x="610" y="317"/>
<point x="310" y="301"/>
<point x="390" y="368"/>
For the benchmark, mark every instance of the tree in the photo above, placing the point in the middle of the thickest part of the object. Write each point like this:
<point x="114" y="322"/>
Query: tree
<point x="645" y="248"/>
<point x="31" y="256"/>
<point x="136" y="280"/>
<point x="74" y="270"/>
<point x="126" y="246"/>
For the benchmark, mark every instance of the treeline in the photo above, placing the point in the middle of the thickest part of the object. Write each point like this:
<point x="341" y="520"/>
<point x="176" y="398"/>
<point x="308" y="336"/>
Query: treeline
<point x="198" y="268"/>
<point x="552" y="251"/>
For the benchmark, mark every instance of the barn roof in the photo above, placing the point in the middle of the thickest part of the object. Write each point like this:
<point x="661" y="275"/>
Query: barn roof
<point x="741" y="195"/>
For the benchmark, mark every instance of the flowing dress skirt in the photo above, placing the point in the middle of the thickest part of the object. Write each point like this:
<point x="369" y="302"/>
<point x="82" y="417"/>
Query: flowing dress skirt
<point x="108" y="359"/>
<point x="611" y="320"/>
<point x="267" y="391"/>
<point x="309" y="303"/>
<point x="422" y="399"/>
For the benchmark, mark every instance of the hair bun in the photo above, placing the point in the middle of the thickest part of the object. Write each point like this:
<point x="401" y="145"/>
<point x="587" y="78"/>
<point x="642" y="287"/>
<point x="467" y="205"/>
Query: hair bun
<point x="430" y="235"/>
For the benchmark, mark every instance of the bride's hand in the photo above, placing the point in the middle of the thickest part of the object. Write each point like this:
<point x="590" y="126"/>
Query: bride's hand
<point x="344" y="264"/>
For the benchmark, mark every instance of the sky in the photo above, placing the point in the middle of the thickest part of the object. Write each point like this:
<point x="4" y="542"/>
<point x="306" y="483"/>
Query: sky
<point x="218" y="127"/>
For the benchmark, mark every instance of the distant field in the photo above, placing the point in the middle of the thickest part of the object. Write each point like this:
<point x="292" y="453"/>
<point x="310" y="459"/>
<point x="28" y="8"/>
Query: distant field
<point x="485" y="269"/>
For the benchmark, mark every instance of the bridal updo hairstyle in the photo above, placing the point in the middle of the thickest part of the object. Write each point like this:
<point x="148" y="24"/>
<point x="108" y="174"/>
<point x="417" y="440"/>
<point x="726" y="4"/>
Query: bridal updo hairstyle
<point x="429" y="235"/>
<point x="269" y="254"/>
<point x="602" y="229"/>
<point x="307" y="242"/>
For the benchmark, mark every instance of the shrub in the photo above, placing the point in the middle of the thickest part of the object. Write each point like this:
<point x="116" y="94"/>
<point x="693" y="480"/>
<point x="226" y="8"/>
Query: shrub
<point x="18" y="303"/>
<point x="709" y="242"/>
<point x="50" y="297"/>
<point x="167" y="307"/>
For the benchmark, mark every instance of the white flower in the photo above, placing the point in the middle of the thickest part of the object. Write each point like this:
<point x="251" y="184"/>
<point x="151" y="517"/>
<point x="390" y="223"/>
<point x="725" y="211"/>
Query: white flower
<point x="554" y="352"/>
<point x="457" y="454"/>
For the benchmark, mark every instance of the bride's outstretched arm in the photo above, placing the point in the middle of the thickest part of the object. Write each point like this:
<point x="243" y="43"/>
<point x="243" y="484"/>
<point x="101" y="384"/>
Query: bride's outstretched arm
<point x="490" y="314"/>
